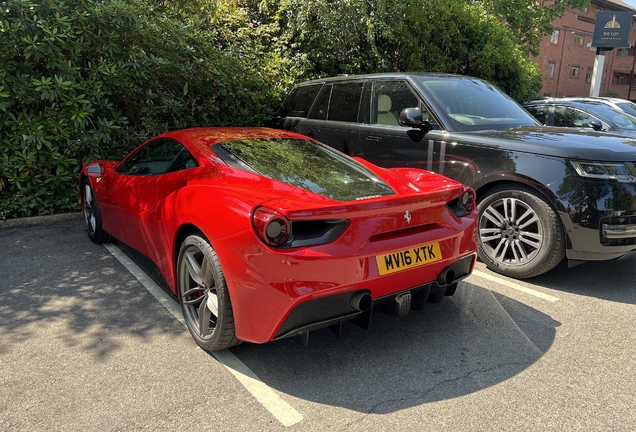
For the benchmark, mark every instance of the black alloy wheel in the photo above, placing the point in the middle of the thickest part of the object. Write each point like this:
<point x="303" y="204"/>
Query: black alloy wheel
<point x="92" y="215"/>
<point x="203" y="294"/>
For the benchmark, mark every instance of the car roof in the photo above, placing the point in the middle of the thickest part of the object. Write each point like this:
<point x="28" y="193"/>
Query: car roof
<point x="346" y="77"/>
<point x="201" y="139"/>
<point x="578" y="102"/>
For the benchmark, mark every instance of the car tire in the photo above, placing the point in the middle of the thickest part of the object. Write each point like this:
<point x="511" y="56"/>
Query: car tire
<point x="92" y="215"/>
<point x="203" y="294"/>
<point x="520" y="234"/>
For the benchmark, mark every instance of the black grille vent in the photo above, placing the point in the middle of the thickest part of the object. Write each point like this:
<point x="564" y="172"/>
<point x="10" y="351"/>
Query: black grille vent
<point x="616" y="220"/>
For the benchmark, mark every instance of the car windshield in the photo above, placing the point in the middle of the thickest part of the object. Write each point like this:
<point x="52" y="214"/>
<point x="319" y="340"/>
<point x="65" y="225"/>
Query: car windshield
<point x="305" y="164"/>
<point x="621" y="119"/>
<point x="473" y="105"/>
<point x="628" y="107"/>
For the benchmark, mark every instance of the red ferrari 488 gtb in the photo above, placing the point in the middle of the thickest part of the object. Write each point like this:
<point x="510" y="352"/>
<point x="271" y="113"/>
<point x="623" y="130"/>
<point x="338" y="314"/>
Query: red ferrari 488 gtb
<point x="263" y="234"/>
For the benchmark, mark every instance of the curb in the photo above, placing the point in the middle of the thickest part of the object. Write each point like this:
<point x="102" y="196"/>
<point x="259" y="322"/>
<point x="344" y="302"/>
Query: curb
<point x="39" y="220"/>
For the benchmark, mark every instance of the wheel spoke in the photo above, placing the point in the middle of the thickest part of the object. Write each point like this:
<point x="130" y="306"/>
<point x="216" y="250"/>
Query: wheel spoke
<point x="213" y="303"/>
<point x="507" y="203"/>
<point x="494" y="216"/>
<point x="204" y="319"/>
<point x="534" y="244"/>
<point x="88" y="195"/>
<point x="185" y="297"/>
<point x="533" y="218"/>
<point x="494" y="235"/>
<point x="505" y="244"/>
<point x="519" y="247"/>
<point x="513" y="210"/>
<point x="193" y="268"/>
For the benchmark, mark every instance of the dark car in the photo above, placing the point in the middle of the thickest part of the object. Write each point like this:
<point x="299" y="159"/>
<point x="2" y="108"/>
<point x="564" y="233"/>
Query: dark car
<point x="583" y="113"/>
<point x="543" y="192"/>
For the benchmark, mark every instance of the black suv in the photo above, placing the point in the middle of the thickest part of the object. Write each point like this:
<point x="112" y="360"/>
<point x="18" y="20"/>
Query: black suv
<point x="543" y="192"/>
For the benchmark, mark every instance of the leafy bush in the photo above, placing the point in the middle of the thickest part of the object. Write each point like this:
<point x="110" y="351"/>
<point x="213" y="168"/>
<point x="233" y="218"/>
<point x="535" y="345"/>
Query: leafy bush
<point x="91" y="79"/>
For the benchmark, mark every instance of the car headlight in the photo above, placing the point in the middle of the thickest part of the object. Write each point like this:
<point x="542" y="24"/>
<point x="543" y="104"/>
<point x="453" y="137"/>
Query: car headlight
<point x="619" y="171"/>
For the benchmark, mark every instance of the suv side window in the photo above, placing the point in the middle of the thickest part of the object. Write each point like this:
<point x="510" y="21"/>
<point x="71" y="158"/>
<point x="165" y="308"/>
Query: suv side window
<point x="540" y="113"/>
<point x="570" y="117"/>
<point x="158" y="157"/>
<point x="299" y="101"/>
<point x="388" y="101"/>
<point x="345" y="102"/>
<point x="319" y="111"/>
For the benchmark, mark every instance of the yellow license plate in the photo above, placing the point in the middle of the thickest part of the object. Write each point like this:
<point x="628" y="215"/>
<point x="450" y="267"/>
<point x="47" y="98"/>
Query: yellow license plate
<point x="408" y="258"/>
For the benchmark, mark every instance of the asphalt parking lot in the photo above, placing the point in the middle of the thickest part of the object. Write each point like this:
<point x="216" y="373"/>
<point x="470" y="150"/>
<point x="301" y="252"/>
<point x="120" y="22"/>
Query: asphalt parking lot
<point x="85" y="346"/>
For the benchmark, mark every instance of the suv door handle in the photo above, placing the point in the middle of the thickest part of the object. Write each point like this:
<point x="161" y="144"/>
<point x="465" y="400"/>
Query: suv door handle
<point x="373" y="138"/>
<point x="310" y="132"/>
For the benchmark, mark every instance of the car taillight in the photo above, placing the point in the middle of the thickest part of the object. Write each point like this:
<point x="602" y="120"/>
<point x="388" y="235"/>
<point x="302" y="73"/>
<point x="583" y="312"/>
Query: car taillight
<point x="463" y="205"/>
<point x="467" y="200"/>
<point x="272" y="227"/>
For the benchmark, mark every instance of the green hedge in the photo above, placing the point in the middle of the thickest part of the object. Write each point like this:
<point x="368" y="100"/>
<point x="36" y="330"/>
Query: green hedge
<point x="84" y="79"/>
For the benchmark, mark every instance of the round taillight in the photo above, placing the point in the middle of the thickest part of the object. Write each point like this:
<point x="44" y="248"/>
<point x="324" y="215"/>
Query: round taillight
<point x="272" y="227"/>
<point x="468" y="200"/>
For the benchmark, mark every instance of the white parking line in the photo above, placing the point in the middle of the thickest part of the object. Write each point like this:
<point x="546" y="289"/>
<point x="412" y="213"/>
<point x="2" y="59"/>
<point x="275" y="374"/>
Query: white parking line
<point x="281" y="410"/>
<point x="515" y="286"/>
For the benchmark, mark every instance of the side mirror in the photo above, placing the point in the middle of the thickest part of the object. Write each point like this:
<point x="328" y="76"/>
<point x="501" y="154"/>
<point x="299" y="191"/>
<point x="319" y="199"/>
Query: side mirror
<point x="412" y="117"/>
<point x="596" y="125"/>
<point x="98" y="169"/>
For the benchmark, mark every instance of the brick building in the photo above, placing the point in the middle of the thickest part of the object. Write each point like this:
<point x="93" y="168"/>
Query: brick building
<point x="566" y="61"/>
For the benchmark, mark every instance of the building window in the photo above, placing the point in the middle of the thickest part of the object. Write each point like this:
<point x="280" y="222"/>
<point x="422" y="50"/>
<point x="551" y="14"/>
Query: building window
<point x="550" y="71"/>
<point x="555" y="37"/>
<point x="574" y="71"/>
<point x="620" y="79"/>
<point x="578" y="40"/>
<point x="588" y="74"/>
<point x="623" y="52"/>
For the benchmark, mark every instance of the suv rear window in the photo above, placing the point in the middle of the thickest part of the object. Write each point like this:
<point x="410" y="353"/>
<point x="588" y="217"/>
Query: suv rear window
<point x="299" y="101"/>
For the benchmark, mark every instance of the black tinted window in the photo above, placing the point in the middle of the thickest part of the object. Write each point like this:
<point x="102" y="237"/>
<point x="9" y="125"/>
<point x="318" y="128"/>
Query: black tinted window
<point x="319" y="110"/>
<point x="345" y="101"/>
<point x="157" y="157"/>
<point x="570" y="117"/>
<point x="299" y="101"/>
<point x="540" y="113"/>
<point x="305" y="164"/>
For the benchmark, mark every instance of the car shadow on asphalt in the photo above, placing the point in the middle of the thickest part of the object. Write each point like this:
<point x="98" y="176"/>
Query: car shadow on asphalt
<point x="468" y="342"/>
<point x="55" y="283"/>
<point x="605" y="280"/>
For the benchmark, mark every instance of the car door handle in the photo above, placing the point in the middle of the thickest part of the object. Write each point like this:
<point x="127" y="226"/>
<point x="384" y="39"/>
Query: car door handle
<point x="311" y="132"/>
<point x="373" y="138"/>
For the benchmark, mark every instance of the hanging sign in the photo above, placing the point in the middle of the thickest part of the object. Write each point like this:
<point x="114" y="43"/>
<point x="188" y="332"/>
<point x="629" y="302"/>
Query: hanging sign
<point x="612" y="29"/>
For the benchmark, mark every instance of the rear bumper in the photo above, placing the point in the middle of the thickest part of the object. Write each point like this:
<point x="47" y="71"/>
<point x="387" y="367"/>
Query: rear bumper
<point x="332" y="310"/>
<point x="268" y="288"/>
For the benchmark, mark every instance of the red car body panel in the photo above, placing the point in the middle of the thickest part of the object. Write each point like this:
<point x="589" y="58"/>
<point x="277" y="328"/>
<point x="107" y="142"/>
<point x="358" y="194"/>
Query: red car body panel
<point x="265" y="284"/>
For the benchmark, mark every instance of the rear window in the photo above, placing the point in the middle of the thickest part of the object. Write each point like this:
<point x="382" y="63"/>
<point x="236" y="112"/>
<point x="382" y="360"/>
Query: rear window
<point x="304" y="164"/>
<point x="299" y="101"/>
